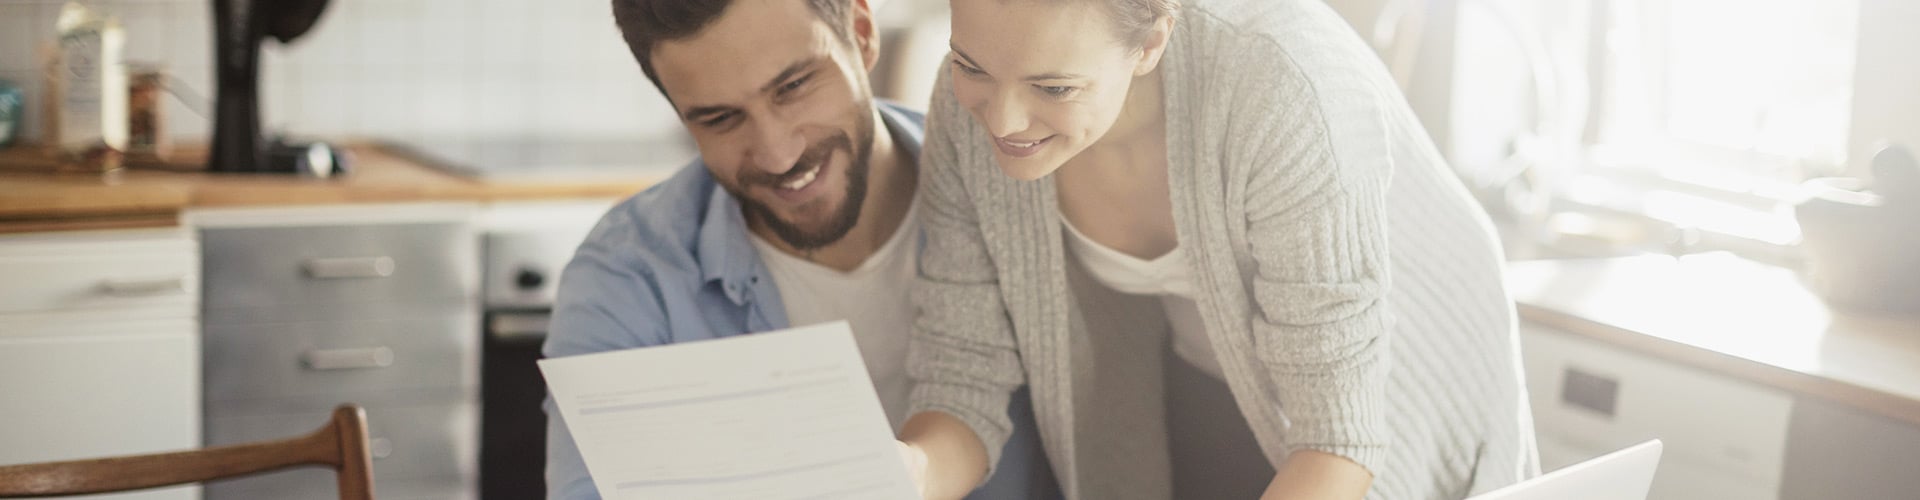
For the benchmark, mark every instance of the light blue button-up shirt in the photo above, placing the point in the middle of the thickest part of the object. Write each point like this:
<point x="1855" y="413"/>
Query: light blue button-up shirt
<point x="673" y="264"/>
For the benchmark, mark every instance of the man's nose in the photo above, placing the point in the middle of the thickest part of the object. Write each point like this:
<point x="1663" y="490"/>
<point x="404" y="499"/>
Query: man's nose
<point x="777" y="144"/>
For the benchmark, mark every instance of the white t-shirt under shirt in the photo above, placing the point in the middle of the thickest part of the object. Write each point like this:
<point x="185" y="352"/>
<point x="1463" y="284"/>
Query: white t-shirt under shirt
<point x="873" y="298"/>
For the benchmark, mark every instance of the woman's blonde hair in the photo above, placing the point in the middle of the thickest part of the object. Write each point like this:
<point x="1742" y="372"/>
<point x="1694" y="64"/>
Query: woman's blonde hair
<point x="1134" y="19"/>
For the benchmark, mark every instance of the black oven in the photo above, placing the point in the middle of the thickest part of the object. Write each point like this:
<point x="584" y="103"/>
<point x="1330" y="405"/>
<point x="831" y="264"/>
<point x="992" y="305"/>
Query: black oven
<point x="525" y="245"/>
<point x="513" y="426"/>
<point x="521" y="266"/>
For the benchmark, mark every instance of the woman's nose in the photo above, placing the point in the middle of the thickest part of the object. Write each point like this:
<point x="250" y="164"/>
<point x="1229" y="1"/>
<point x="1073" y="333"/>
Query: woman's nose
<point x="1004" y="115"/>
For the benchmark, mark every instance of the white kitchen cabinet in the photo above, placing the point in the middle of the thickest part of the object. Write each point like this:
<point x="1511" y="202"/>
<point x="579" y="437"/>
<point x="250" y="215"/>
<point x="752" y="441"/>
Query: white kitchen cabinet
<point x="100" y="347"/>
<point x="1841" y="452"/>
<point x="1725" y="439"/>
<point x="92" y="392"/>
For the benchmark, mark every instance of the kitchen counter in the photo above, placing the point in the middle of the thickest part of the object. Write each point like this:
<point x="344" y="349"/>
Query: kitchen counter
<point x="1734" y="317"/>
<point x="136" y="197"/>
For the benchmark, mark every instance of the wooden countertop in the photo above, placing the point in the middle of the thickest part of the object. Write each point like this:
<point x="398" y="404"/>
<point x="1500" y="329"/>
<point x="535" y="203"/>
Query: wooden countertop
<point x="1734" y="317"/>
<point x="135" y="197"/>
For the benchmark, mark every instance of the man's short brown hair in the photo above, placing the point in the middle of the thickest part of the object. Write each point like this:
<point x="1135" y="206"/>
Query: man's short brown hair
<point x="646" y="23"/>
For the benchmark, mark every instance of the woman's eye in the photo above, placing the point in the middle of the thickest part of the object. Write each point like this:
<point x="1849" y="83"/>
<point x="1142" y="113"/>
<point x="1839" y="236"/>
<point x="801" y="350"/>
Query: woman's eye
<point x="1056" y="91"/>
<point x="964" y="68"/>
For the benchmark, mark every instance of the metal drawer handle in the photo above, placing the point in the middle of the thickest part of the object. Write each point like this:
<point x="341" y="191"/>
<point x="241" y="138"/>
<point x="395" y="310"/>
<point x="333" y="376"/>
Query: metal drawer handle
<point x="349" y="267"/>
<point x="347" y="359"/>
<point x="145" y="288"/>
<point x="517" y="327"/>
<point x="1597" y="393"/>
<point x="380" y="448"/>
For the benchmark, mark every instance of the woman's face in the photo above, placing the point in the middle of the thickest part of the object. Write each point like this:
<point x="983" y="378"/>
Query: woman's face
<point x="1046" y="79"/>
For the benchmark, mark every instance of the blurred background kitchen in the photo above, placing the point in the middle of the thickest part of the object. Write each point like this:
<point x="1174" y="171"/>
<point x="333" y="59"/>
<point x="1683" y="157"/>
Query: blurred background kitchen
<point x="1712" y="206"/>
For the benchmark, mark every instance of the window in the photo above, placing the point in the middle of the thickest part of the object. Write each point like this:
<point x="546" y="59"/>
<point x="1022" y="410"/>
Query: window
<point x="1728" y="88"/>
<point x="1703" y="115"/>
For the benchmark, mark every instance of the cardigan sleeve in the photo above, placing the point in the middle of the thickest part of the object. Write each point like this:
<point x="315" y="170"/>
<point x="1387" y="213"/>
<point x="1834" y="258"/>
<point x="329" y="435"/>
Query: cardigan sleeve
<point x="1320" y="165"/>
<point x="962" y="356"/>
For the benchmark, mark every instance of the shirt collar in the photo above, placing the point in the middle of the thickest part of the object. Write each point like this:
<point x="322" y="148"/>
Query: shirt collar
<point x="908" y="127"/>
<point x="725" y="254"/>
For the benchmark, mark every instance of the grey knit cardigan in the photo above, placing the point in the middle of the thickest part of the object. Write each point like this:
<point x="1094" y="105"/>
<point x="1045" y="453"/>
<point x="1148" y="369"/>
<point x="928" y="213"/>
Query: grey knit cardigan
<point x="1350" y="285"/>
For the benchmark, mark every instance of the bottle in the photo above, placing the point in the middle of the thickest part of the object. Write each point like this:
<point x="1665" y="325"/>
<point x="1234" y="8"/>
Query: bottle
<point x="87" y="89"/>
<point x="11" y="112"/>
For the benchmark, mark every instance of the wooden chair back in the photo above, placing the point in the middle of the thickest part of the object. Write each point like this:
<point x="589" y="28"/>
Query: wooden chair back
<point x="341" y="445"/>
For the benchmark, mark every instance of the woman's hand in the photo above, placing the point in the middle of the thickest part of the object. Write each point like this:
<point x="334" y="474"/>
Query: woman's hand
<point x="916" y="461"/>
<point x="1314" y="475"/>
<point x="944" y="456"/>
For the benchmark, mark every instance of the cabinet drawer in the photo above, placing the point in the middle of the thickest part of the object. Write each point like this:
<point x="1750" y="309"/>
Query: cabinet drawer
<point x="422" y="452"/>
<point x="1601" y="397"/>
<point x="57" y="273"/>
<point x="322" y="358"/>
<point x="368" y="264"/>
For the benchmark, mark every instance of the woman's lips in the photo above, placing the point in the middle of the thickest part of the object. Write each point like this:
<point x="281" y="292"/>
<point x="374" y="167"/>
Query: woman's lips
<point x="1020" y="149"/>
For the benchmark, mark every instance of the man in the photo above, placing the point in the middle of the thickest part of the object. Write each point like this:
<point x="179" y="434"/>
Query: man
<point x="797" y="211"/>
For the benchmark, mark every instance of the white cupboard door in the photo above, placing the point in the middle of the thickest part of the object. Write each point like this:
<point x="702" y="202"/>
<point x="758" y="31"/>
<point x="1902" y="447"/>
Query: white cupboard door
<point x="1725" y="438"/>
<point x="97" y="390"/>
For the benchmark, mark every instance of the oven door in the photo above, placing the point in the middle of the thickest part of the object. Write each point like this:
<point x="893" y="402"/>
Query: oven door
<point x="513" y="427"/>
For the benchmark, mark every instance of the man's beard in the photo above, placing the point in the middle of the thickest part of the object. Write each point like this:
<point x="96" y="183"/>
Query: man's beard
<point x="859" y="150"/>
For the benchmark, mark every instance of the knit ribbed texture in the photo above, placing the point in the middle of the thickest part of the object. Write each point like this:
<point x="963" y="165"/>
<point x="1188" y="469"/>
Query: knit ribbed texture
<point x="1349" y="284"/>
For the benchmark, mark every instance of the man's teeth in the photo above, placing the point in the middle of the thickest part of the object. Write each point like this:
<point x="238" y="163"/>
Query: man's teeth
<point x="802" y="181"/>
<point x="1022" y="145"/>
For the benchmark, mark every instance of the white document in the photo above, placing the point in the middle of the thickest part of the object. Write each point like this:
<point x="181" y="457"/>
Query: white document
<point x="777" y="415"/>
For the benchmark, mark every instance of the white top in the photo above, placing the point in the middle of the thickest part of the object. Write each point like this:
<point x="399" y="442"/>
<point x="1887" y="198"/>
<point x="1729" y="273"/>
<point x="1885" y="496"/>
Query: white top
<point x="1166" y="276"/>
<point x="872" y="297"/>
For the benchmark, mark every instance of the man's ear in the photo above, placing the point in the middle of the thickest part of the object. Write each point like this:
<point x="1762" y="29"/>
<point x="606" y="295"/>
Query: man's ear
<point x="866" y="35"/>
<point x="1154" y="46"/>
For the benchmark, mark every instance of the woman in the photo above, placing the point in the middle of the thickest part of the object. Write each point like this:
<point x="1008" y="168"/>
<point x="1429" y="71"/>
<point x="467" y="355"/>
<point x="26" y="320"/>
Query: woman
<point x="1249" y="166"/>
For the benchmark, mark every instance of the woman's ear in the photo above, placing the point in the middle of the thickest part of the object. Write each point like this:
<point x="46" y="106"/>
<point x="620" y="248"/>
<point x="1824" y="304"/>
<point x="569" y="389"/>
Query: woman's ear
<point x="866" y="36"/>
<point x="1154" y="46"/>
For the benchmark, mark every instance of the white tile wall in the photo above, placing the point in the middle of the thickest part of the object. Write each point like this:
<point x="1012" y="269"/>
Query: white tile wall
<point x="393" y="69"/>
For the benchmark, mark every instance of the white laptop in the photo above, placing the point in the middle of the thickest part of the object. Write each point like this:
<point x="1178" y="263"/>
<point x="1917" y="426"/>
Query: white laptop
<point x="1621" y="475"/>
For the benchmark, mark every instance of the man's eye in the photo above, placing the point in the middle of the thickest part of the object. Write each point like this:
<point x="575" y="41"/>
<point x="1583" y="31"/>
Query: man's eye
<point x="717" y="120"/>
<point x="964" y="68"/>
<point x="794" y="85"/>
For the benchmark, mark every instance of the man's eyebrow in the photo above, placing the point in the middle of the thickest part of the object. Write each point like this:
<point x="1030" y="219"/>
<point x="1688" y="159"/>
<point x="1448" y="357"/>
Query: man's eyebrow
<point x="789" y="73"/>
<point x="698" y="112"/>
